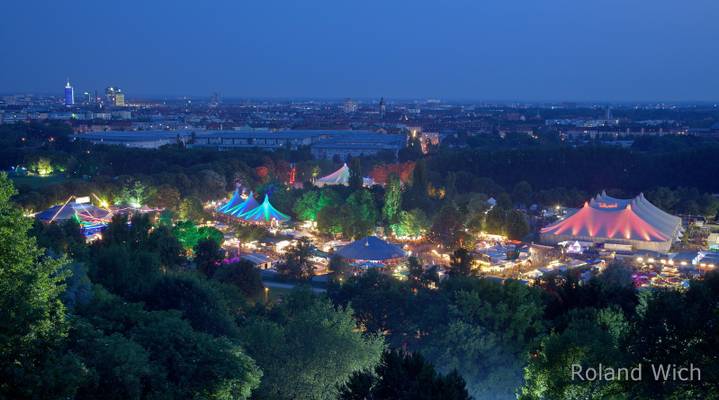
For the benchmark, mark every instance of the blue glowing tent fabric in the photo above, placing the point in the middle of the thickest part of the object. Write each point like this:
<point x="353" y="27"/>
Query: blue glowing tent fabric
<point x="246" y="206"/>
<point x="370" y="248"/>
<point x="265" y="212"/>
<point x="235" y="200"/>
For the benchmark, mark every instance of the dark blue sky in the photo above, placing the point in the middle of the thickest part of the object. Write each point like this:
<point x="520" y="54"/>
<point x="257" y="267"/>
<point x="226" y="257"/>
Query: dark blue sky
<point x="634" y="50"/>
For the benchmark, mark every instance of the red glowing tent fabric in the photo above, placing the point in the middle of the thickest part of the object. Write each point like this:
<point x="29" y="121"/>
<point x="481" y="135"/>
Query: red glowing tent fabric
<point x="624" y="219"/>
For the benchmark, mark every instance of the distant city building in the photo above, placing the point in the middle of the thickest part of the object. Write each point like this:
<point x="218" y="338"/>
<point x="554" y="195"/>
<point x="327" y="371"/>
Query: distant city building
<point x="350" y="106"/>
<point x="382" y="108"/>
<point x="322" y="143"/>
<point x="69" y="94"/>
<point x="114" y="96"/>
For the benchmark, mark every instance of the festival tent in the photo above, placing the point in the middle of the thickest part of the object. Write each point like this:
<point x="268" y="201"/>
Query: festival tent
<point x="339" y="177"/>
<point x="244" y="207"/>
<point x="265" y="212"/>
<point x="73" y="210"/>
<point x="370" y="248"/>
<point x="628" y="221"/>
<point x="235" y="200"/>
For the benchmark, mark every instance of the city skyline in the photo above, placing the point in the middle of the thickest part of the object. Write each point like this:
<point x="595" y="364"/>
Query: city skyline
<point x="558" y="50"/>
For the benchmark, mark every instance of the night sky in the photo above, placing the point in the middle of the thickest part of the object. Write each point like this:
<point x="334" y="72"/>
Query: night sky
<point x="579" y="50"/>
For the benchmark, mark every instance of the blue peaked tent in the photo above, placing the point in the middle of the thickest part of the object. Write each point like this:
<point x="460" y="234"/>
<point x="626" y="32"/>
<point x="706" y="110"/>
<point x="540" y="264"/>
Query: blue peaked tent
<point x="265" y="212"/>
<point x="246" y="206"/>
<point x="370" y="248"/>
<point x="235" y="200"/>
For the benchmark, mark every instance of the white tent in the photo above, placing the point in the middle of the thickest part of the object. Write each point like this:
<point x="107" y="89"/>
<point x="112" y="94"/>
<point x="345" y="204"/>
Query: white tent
<point x="339" y="177"/>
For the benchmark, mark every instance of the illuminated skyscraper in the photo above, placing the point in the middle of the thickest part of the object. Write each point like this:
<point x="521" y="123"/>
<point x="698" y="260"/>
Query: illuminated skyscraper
<point x="69" y="94"/>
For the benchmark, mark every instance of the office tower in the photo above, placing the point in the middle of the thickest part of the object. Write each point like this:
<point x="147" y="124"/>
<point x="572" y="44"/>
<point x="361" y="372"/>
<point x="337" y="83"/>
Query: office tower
<point x="382" y="108"/>
<point x="69" y="94"/>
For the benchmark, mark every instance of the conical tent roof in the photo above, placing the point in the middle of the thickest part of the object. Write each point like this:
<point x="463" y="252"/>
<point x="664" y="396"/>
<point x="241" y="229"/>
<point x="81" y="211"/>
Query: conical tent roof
<point x="370" y="248"/>
<point x="265" y="212"/>
<point x="339" y="177"/>
<point x="235" y="200"/>
<point x="612" y="218"/>
<point x="246" y="206"/>
<point x="67" y="211"/>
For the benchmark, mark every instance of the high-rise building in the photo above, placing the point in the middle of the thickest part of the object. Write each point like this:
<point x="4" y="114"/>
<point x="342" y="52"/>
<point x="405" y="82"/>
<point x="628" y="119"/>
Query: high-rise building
<point x="119" y="99"/>
<point x="69" y="94"/>
<point x="382" y="108"/>
<point x="114" y="96"/>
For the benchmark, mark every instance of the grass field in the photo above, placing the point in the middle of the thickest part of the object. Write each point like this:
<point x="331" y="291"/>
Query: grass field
<point x="36" y="182"/>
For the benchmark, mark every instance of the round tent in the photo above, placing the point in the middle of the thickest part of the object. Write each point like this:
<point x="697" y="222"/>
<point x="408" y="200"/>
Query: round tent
<point x="370" y="248"/>
<point x="265" y="212"/>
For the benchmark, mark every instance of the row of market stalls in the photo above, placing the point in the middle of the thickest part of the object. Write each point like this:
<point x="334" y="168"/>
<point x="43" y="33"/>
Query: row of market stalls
<point x="249" y="210"/>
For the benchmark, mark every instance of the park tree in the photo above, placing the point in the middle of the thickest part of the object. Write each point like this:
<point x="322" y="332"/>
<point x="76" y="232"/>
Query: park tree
<point x="415" y="270"/>
<point x="200" y="301"/>
<point x="306" y="207"/>
<point x="330" y="221"/>
<point x="405" y="376"/>
<point x="461" y="262"/>
<point x="190" y="209"/>
<point x="308" y="348"/>
<point x="516" y="225"/>
<point x="34" y="326"/>
<point x="208" y="256"/>
<point x="339" y="267"/>
<point x="392" y="199"/>
<point x="591" y="338"/>
<point x="242" y="275"/>
<point x="356" y="180"/>
<point x="361" y="214"/>
<point x="522" y="194"/>
<point x="133" y="353"/>
<point x="412" y="223"/>
<point x="447" y="227"/>
<point x="296" y="264"/>
<point x="165" y="196"/>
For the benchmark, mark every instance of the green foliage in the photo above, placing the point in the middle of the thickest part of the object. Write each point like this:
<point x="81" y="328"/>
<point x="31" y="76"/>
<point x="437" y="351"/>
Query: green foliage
<point x="447" y="227"/>
<point x="296" y="263"/>
<point x="190" y="235"/>
<point x="191" y="209"/>
<point x="309" y="205"/>
<point x="461" y="262"/>
<point x="502" y="221"/>
<point x="244" y="276"/>
<point x="199" y="301"/>
<point x="403" y="376"/>
<point x="308" y="349"/>
<point x="358" y="217"/>
<point x="135" y="195"/>
<point x="392" y="199"/>
<point x="589" y="340"/>
<point x="33" y="326"/>
<point x="356" y="180"/>
<point x="134" y="353"/>
<point x="208" y="256"/>
<point x="413" y="223"/>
